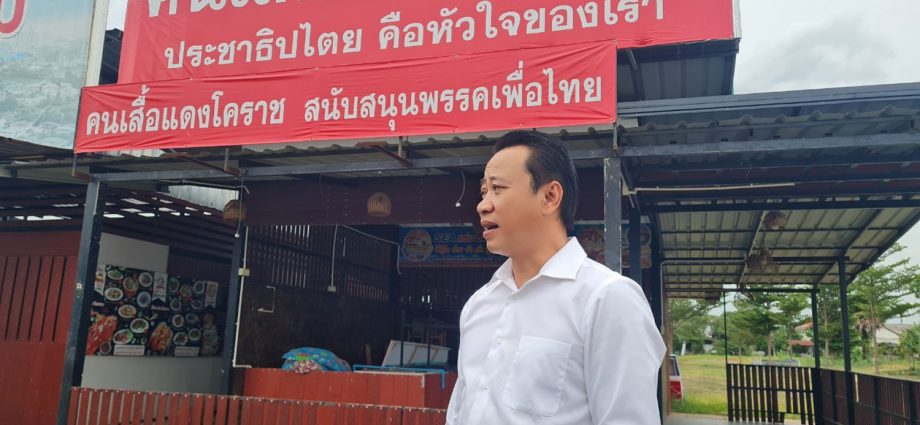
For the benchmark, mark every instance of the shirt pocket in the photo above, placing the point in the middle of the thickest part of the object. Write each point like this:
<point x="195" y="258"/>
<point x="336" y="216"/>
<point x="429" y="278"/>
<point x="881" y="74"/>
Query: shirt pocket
<point x="537" y="376"/>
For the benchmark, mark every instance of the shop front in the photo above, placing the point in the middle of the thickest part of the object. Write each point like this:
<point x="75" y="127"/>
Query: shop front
<point x="354" y="145"/>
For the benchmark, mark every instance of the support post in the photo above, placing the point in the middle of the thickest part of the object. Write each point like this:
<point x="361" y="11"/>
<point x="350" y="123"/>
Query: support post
<point x="395" y="294"/>
<point x="655" y="296"/>
<point x="613" y="214"/>
<point x="75" y="350"/>
<point x="817" y="389"/>
<point x="845" y="322"/>
<point x="729" y="378"/>
<point x="635" y="247"/>
<point x="233" y="301"/>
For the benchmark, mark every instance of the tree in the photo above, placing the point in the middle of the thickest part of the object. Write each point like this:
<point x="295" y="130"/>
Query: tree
<point x="739" y="339"/>
<point x="909" y="344"/>
<point x="829" y="331"/>
<point x="878" y="294"/>
<point x="756" y="314"/>
<point x="791" y="308"/>
<point x="688" y="320"/>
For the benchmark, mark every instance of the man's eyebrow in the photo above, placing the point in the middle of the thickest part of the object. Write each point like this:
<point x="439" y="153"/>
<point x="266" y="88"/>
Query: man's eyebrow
<point x="482" y="181"/>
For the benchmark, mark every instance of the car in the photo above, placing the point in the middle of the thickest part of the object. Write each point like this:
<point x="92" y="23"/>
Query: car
<point x="675" y="384"/>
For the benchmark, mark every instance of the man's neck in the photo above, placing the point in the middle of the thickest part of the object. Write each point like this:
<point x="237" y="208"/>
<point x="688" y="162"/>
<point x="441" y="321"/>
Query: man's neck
<point x="526" y="265"/>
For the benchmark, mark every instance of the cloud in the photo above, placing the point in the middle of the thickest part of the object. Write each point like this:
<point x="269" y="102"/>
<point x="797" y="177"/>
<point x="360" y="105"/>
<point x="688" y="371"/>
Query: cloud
<point x="840" y="51"/>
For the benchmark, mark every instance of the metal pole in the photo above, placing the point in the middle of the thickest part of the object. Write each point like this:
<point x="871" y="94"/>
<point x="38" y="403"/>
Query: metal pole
<point x="635" y="247"/>
<point x="395" y="293"/>
<point x="728" y="376"/>
<point x="845" y="322"/>
<point x="655" y="277"/>
<point x="655" y="295"/>
<point x="814" y="328"/>
<point x="613" y="214"/>
<point x="817" y="392"/>
<point x="725" y="325"/>
<point x="402" y="336"/>
<point x="75" y="350"/>
<point x="233" y="301"/>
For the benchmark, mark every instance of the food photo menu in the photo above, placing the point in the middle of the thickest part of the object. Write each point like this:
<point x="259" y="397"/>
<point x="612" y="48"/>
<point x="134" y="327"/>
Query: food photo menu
<point x="144" y="313"/>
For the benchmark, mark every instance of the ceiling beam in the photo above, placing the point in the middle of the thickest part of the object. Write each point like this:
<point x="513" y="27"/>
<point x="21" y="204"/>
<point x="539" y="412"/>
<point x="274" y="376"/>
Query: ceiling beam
<point x="784" y="205"/>
<point x="843" y="176"/>
<point x="352" y="167"/>
<point x="821" y="160"/>
<point x="791" y="99"/>
<point x="772" y="146"/>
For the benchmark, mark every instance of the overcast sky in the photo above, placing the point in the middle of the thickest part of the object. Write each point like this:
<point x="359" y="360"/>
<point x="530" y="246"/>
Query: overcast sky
<point x="803" y="44"/>
<point x="809" y="44"/>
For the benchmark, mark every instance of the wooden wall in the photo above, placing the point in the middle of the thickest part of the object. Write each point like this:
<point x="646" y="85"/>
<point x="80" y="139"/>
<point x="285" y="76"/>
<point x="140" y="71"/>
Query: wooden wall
<point x="428" y="199"/>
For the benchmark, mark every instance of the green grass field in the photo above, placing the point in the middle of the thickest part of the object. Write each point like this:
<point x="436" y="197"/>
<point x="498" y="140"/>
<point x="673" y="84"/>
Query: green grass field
<point x="704" y="378"/>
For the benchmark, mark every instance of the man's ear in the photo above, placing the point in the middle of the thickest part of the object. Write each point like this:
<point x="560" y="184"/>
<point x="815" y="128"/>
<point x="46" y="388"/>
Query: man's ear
<point x="552" y="197"/>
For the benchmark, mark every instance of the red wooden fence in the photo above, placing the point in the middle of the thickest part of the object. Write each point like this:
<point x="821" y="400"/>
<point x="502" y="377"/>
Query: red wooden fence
<point x="93" y="406"/>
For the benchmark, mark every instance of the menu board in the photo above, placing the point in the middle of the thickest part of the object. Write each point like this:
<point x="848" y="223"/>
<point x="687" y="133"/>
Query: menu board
<point x="144" y="313"/>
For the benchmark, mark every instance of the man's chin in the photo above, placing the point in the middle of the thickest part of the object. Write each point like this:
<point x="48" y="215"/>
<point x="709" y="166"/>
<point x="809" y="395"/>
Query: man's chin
<point x="495" y="248"/>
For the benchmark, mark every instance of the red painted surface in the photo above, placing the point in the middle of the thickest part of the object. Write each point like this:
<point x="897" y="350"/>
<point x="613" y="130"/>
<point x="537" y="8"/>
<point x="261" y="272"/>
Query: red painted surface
<point x="566" y="85"/>
<point x="166" y="40"/>
<point x="415" y="390"/>
<point x="36" y="293"/>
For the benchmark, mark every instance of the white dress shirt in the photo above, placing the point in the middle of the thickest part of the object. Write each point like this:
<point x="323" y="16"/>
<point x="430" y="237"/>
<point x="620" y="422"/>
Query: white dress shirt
<point x="576" y="345"/>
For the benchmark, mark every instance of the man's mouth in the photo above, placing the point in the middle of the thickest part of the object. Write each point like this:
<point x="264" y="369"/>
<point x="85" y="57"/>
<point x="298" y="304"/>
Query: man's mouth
<point x="488" y="228"/>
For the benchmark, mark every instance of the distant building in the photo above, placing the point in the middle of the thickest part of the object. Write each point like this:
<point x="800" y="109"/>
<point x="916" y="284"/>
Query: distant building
<point x="890" y="333"/>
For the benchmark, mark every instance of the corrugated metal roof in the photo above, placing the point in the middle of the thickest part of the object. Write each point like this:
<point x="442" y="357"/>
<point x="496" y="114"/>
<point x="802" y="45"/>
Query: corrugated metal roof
<point x="709" y="230"/>
<point x="12" y="150"/>
<point x="857" y="174"/>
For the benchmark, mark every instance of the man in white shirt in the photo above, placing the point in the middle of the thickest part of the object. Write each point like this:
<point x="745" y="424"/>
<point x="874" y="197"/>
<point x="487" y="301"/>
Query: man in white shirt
<point x="554" y="337"/>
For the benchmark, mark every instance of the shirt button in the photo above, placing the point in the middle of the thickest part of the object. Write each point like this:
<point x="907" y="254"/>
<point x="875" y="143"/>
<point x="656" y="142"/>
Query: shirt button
<point x="499" y="340"/>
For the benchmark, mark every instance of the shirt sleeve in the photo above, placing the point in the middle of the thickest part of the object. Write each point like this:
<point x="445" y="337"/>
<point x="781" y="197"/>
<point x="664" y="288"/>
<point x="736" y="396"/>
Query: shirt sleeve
<point x="456" y="397"/>
<point x="623" y="353"/>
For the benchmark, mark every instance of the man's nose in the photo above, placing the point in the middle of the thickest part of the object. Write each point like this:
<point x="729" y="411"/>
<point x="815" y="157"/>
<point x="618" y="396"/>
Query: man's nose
<point x="485" y="205"/>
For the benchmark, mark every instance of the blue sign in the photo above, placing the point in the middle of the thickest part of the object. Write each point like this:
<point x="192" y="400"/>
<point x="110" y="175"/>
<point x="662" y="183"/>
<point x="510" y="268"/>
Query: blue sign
<point x="444" y="246"/>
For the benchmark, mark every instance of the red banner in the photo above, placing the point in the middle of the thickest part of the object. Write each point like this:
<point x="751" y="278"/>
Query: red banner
<point x="541" y="87"/>
<point x="11" y="24"/>
<point x="176" y="39"/>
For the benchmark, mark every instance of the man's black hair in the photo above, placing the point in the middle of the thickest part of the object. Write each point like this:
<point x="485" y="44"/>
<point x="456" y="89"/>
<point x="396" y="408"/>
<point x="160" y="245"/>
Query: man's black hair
<point x="549" y="160"/>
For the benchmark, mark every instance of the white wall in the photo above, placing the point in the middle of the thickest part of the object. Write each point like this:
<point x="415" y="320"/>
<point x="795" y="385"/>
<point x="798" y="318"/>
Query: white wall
<point x="173" y="374"/>
<point x="127" y="252"/>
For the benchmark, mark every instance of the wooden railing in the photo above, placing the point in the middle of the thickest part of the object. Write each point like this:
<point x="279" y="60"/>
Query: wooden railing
<point x="877" y="400"/>
<point x="765" y="394"/>
<point x="833" y="395"/>
<point x="93" y="406"/>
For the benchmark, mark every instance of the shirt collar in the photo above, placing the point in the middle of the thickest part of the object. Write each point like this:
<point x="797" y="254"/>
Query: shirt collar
<point x="564" y="264"/>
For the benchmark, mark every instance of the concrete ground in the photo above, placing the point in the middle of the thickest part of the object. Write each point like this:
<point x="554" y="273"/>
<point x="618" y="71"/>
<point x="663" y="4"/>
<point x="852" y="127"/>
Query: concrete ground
<point x="684" y="419"/>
